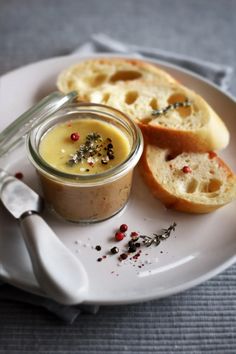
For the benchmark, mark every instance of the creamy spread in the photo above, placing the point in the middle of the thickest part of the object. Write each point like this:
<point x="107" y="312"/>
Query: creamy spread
<point x="84" y="146"/>
<point x="85" y="161"/>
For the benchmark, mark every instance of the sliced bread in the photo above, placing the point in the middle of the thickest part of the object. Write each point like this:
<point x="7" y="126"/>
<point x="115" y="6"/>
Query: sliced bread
<point x="189" y="182"/>
<point x="138" y="88"/>
<point x="92" y="74"/>
<point x="194" y="127"/>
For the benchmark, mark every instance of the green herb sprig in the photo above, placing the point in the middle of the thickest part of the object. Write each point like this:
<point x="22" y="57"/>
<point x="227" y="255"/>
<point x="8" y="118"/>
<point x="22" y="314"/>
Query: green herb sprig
<point x="157" y="238"/>
<point x="171" y="107"/>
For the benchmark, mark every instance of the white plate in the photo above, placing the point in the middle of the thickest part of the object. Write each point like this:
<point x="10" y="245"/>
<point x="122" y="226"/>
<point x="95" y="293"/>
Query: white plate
<point x="201" y="247"/>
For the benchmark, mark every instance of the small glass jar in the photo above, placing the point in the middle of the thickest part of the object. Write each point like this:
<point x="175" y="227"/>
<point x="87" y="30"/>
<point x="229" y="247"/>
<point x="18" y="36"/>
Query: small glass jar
<point x="94" y="197"/>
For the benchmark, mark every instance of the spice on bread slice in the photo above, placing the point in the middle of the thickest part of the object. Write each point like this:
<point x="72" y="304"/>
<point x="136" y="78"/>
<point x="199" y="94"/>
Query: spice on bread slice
<point x="92" y="74"/>
<point x="188" y="182"/>
<point x="184" y="122"/>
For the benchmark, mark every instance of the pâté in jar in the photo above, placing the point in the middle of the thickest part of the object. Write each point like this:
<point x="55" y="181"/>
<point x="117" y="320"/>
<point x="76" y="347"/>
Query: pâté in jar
<point x="85" y="155"/>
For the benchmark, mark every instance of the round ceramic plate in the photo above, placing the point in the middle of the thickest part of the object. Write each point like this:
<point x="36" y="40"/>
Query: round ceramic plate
<point x="201" y="246"/>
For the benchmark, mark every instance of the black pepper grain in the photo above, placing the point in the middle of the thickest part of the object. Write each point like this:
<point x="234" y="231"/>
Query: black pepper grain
<point x="110" y="154"/>
<point x="114" y="250"/>
<point x="132" y="249"/>
<point x="123" y="256"/>
<point x="98" y="248"/>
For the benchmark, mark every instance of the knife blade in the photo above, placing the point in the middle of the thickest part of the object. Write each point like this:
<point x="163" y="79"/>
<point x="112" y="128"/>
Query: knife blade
<point x="59" y="273"/>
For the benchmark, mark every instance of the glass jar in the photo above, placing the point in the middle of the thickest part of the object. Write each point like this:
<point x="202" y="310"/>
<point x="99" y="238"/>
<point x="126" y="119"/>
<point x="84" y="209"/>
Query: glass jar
<point x="94" y="197"/>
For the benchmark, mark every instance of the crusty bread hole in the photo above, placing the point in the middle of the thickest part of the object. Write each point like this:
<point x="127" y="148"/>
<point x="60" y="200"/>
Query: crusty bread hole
<point x="192" y="186"/>
<point x="97" y="80"/>
<point x="153" y="104"/>
<point x="179" y="97"/>
<point x="70" y="84"/>
<point x="131" y="97"/>
<point x="125" y="75"/>
<point x="212" y="186"/>
<point x="106" y="97"/>
<point x="170" y="156"/>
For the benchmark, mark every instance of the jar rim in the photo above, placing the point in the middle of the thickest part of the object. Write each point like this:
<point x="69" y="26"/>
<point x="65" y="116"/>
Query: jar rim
<point x="91" y="179"/>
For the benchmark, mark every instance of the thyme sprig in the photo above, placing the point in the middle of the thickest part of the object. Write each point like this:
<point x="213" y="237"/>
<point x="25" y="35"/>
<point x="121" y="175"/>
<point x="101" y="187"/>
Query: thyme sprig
<point x="157" y="238"/>
<point x="92" y="138"/>
<point x="171" y="107"/>
<point x="90" y="148"/>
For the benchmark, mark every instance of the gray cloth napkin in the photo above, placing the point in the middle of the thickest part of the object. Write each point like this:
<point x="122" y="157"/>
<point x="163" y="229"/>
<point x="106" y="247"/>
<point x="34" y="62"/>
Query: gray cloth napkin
<point x="66" y="313"/>
<point x="101" y="43"/>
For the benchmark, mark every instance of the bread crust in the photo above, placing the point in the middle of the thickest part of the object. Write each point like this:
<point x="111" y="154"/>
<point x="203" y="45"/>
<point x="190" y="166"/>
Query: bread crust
<point x="212" y="135"/>
<point x="178" y="202"/>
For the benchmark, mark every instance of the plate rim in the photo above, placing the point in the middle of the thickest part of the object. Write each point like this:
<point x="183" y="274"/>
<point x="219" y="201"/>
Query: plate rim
<point x="186" y="285"/>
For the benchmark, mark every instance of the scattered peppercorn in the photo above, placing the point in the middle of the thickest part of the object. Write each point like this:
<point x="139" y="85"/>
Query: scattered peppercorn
<point x="132" y="248"/>
<point x="74" y="136"/>
<point x="133" y="244"/>
<point x="114" y="250"/>
<point x="123" y="256"/>
<point x="186" y="169"/>
<point x="119" y="236"/>
<point x="134" y="235"/>
<point x="110" y="154"/>
<point x="19" y="175"/>
<point x="123" y="228"/>
<point x="211" y="154"/>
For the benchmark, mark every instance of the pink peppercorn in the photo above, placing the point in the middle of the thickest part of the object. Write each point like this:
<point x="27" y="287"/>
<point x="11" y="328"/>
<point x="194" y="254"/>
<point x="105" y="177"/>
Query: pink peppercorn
<point x="134" y="234"/>
<point x="123" y="228"/>
<point x="186" y="169"/>
<point x="119" y="236"/>
<point x="211" y="154"/>
<point x="74" y="136"/>
<point x="19" y="175"/>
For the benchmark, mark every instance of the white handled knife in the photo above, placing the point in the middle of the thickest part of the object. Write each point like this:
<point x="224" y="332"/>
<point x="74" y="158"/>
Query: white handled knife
<point x="59" y="273"/>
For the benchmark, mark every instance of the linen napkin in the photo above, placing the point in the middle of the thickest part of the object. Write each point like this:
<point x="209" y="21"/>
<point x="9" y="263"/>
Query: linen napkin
<point x="101" y="43"/>
<point x="66" y="313"/>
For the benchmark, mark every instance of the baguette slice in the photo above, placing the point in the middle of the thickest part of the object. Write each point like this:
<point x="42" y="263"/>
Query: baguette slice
<point x="208" y="185"/>
<point x="93" y="74"/>
<point x="194" y="128"/>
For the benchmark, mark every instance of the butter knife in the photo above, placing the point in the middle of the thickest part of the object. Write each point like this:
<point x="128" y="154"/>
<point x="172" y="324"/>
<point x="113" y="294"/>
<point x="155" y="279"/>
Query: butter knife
<point x="59" y="273"/>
